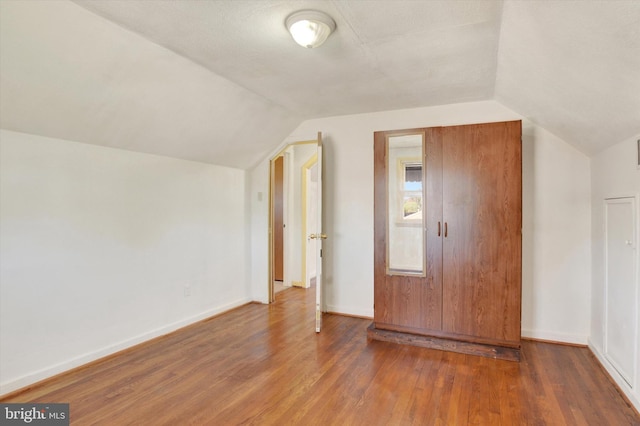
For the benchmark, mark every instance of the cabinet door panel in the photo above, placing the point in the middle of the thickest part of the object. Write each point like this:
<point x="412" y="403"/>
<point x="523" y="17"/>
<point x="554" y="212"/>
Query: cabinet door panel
<point x="482" y="192"/>
<point x="411" y="300"/>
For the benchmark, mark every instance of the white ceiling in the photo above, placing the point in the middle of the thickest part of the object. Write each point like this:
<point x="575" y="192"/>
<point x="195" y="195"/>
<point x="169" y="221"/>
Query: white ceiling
<point x="222" y="81"/>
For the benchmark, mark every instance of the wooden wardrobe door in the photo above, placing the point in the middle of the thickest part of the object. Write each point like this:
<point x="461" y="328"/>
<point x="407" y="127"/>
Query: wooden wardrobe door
<point x="405" y="302"/>
<point x="482" y="214"/>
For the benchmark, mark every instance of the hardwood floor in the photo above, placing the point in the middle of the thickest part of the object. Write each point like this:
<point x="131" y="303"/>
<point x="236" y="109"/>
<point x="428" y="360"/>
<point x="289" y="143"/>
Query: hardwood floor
<point x="265" y="365"/>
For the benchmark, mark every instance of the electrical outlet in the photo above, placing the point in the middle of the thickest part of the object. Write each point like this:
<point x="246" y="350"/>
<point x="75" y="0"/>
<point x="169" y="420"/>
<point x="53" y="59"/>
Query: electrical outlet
<point x="187" y="291"/>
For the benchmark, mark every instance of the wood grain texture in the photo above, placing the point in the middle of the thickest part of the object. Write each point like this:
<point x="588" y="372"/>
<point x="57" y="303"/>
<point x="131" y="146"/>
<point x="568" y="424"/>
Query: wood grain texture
<point x="408" y="301"/>
<point x="473" y="196"/>
<point x="482" y="193"/>
<point x="434" y="233"/>
<point x="265" y="365"/>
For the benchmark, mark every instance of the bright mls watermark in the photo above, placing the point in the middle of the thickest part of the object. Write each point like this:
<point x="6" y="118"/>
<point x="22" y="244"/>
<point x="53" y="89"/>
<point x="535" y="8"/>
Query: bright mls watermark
<point x="34" y="414"/>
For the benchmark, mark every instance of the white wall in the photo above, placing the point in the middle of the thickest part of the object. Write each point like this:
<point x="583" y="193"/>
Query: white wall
<point x="556" y="239"/>
<point x="614" y="174"/>
<point x="259" y="198"/>
<point x="556" y="216"/>
<point x="97" y="245"/>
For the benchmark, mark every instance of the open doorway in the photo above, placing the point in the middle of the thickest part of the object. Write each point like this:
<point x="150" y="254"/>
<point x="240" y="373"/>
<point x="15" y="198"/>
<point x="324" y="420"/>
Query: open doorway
<point x="310" y="215"/>
<point x="293" y="189"/>
<point x="278" y="219"/>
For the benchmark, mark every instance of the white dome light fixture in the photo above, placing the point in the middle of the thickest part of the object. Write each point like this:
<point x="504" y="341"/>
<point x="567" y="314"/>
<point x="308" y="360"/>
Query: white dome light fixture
<point x="310" y="28"/>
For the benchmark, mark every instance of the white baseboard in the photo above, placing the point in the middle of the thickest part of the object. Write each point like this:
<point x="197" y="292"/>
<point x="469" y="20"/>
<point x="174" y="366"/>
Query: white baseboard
<point x="350" y="310"/>
<point x="555" y="337"/>
<point x="634" y="397"/>
<point x="53" y="370"/>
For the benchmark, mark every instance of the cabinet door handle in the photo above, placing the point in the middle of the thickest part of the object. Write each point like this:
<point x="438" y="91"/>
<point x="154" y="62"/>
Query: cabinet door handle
<point x="438" y="228"/>
<point x="445" y="229"/>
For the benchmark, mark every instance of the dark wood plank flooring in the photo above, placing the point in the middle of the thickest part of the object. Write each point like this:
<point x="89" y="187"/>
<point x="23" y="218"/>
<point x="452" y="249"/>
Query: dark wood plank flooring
<point x="265" y="365"/>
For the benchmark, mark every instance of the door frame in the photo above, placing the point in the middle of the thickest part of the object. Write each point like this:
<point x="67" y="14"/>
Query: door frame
<point x="288" y="176"/>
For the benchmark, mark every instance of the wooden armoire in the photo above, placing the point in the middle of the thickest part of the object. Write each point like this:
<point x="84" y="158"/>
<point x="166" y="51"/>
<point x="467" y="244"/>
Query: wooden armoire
<point x="448" y="219"/>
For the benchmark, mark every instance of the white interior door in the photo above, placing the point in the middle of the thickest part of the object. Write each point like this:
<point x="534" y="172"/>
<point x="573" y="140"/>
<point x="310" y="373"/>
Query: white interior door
<point x="319" y="236"/>
<point x="621" y="308"/>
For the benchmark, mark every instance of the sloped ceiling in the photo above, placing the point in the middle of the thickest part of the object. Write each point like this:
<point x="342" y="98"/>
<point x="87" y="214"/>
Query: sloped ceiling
<point x="222" y="81"/>
<point x="573" y="67"/>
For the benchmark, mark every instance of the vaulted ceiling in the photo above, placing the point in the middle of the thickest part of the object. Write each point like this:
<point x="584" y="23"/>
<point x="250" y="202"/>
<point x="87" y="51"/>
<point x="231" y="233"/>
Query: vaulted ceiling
<point x="222" y="81"/>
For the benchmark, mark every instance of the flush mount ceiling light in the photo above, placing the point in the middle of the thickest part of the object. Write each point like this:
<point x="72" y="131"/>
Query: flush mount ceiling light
<point x="310" y="28"/>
